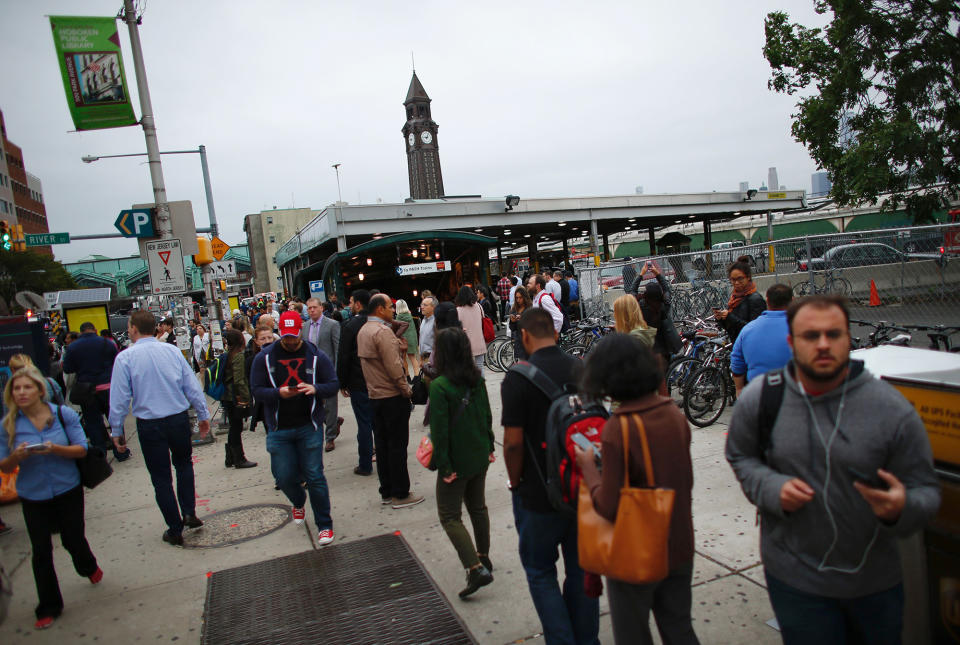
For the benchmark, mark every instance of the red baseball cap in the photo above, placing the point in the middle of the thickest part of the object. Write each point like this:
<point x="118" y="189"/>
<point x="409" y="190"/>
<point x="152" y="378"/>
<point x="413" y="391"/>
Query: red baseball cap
<point x="290" y="323"/>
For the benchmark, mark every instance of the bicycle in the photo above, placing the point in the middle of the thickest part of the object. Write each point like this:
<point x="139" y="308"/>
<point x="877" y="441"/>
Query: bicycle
<point x="882" y="334"/>
<point x="710" y="388"/>
<point x="833" y="282"/>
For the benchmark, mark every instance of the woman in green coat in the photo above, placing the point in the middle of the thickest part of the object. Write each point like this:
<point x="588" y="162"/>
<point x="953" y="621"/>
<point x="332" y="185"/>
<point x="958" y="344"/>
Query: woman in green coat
<point x="461" y="429"/>
<point x="410" y="335"/>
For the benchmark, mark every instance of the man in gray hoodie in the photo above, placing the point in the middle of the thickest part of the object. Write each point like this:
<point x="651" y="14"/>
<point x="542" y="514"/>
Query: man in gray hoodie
<point x="845" y="470"/>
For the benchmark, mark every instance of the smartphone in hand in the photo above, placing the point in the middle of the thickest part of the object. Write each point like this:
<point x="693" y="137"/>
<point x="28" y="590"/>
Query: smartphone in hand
<point x="873" y="481"/>
<point x="586" y="444"/>
<point x="36" y="447"/>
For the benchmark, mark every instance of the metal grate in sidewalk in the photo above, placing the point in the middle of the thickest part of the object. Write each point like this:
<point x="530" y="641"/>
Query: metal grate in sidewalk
<point x="368" y="591"/>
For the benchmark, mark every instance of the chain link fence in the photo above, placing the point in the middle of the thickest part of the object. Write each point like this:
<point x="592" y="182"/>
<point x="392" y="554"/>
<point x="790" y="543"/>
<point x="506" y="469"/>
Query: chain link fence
<point x="908" y="276"/>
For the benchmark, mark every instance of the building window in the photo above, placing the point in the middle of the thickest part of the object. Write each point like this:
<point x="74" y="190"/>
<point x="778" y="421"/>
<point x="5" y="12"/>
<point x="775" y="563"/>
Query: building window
<point x="274" y="259"/>
<point x="273" y="239"/>
<point x="269" y="219"/>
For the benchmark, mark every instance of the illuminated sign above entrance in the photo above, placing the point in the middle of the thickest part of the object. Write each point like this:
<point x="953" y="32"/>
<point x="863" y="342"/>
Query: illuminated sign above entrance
<point x="424" y="267"/>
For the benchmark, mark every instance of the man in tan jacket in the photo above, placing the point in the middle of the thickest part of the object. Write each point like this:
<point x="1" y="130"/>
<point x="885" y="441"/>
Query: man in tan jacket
<point x="386" y="377"/>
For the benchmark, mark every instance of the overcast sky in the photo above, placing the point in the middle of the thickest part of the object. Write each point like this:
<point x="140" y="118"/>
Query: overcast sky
<point x="538" y="99"/>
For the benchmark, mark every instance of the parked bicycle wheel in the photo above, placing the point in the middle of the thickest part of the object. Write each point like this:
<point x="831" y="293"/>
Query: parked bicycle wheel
<point x="679" y="375"/>
<point x="578" y="350"/>
<point x="490" y="360"/>
<point x="506" y="357"/>
<point x="803" y="289"/>
<point x="706" y="396"/>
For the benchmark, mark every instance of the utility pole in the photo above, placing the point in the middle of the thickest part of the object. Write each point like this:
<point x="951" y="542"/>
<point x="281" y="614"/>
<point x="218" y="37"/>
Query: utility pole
<point x="164" y="225"/>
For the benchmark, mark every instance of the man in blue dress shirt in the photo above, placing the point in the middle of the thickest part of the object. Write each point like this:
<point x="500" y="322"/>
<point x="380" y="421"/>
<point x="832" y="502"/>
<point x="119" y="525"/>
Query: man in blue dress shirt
<point x="155" y="378"/>
<point x="762" y="343"/>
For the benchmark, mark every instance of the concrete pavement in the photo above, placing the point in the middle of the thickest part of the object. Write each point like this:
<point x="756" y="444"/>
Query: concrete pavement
<point x="152" y="592"/>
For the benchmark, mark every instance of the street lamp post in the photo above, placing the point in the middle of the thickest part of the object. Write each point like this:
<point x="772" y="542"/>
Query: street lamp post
<point x="341" y="238"/>
<point x="202" y="151"/>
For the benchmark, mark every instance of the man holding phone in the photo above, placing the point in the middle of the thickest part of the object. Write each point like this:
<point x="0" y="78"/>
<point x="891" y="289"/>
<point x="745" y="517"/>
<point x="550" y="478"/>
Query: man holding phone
<point x="845" y="470"/>
<point x="292" y="378"/>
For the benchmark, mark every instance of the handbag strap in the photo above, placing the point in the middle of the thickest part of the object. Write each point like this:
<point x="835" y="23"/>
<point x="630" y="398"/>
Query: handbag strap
<point x="647" y="461"/>
<point x="463" y="406"/>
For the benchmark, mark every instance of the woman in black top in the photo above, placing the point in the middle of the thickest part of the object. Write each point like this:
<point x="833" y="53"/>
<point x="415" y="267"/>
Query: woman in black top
<point x="745" y="303"/>
<point x="656" y="312"/>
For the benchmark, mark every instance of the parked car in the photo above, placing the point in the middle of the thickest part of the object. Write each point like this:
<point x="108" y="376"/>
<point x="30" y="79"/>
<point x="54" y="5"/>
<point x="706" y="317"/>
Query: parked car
<point x="864" y="254"/>
<point x="724" y="253"/>
<point x="924" y="240"/>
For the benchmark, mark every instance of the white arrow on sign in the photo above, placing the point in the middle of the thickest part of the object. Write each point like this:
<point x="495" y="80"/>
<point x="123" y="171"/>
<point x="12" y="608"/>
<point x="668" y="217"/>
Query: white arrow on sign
<point x="224" y="269"/>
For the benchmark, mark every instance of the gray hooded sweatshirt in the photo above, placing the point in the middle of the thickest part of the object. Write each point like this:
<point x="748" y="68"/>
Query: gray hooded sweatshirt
<point x="833" y="546"/>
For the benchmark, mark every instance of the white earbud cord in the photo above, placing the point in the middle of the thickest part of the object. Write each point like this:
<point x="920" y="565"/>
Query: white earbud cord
<point x="827" y="446"/>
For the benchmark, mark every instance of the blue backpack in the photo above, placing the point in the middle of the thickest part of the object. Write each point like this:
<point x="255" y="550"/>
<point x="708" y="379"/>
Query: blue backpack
<point x="213" y="385"/>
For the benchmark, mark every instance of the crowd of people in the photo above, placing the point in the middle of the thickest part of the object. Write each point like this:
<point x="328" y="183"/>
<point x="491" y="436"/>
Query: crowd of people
<point x="828" y="532"/>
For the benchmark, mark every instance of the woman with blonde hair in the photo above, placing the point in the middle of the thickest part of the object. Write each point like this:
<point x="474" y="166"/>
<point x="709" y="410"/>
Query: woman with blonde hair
<point x="45" y="440"/>
<point x="628" y="319"/>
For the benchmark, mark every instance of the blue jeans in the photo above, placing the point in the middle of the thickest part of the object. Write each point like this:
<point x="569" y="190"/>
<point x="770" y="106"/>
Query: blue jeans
<point x="568" y="617"/>
<point x="360" y="402"/>
<point x="163" y="441"/>
<point x="874" y="619"/>
<point x="296" y="453"/>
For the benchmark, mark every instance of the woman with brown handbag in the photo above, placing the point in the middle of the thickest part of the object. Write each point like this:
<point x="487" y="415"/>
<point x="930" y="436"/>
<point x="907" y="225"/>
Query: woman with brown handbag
<point x="621" y="368"/>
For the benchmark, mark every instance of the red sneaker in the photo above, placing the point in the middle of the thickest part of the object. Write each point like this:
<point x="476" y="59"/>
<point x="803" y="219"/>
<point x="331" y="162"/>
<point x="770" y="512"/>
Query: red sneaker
<point x="43" y="623"/>
<point x="298" y="515"/>
<point x="325" y="537"/>
<point x="96" y="576"/>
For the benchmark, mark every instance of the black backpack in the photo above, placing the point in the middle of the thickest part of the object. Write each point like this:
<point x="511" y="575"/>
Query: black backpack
<point x="567" y="416"/>
<point x="771" y="398"/>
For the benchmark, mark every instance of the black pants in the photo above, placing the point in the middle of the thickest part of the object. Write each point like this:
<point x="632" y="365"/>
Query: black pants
<point x="164" y="441"/>
<point x="670" y="601"/>
<point x="66" y="512"/>
<point x="391" y="434"/>
<point x="92" y="411"/>
<point x="235" y="416"/>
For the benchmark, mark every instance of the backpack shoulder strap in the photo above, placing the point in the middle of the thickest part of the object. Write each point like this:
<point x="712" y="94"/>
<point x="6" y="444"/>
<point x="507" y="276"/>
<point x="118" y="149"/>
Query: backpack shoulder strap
<point x="538" y="377"/>
<point x="62" y="423"/>
<point x="771" y="398"/>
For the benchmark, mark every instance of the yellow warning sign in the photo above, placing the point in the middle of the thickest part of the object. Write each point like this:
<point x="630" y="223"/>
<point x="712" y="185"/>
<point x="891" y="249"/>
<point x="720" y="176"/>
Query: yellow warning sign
<point x="219" y="248"/>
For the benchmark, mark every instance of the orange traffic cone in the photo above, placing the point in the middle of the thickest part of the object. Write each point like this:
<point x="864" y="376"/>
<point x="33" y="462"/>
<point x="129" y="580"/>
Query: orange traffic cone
<point x="874" y="296"/>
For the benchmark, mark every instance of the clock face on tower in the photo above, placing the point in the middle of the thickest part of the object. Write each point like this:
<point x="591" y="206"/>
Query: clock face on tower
<point x="426" y="137"/>
<point x="411" y="139"/>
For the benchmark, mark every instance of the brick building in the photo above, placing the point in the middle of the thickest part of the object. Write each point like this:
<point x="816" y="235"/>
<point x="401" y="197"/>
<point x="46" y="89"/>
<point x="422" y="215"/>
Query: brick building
<point x="21" y="188"/>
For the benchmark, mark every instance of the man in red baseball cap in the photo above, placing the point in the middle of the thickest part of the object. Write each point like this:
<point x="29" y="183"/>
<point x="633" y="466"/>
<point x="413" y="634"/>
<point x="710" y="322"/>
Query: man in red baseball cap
<point x="292" y="378"/>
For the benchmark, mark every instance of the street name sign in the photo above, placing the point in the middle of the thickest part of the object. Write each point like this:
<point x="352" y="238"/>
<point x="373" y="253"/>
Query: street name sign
<point x="43" y="239"/>
<point x="135" y="222"/>
<point x="424" y="267"/>
<point x="165" y="263"/>
<point x="224" y="269"/>
<point x="219" y="248"/>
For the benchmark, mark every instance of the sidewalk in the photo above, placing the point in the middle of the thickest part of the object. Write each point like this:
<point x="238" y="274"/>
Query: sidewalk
<point x="152" y="592"/>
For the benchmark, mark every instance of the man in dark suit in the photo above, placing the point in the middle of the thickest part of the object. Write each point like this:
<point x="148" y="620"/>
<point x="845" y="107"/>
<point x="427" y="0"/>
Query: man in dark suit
<point x="324" y="332"/>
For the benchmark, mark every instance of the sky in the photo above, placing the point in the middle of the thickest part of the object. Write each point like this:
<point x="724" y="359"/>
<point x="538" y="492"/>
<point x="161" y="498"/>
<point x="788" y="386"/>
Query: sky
<point x="535" y="98"/>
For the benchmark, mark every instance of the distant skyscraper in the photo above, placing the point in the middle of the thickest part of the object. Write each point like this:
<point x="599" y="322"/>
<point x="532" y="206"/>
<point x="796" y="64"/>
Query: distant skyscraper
<point x="744" y="186"/>
<point x="639" y="190"/>
<point x="820" y="184"/>
<point x="772" y="180"/>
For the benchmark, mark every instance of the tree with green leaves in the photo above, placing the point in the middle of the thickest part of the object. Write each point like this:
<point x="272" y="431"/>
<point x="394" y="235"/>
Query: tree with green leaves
<point x="30" y="271"/>
<point x="879" y="105"/>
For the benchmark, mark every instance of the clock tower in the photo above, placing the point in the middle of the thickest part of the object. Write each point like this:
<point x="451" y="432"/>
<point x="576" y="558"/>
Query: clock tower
<point x="420" y="139"/>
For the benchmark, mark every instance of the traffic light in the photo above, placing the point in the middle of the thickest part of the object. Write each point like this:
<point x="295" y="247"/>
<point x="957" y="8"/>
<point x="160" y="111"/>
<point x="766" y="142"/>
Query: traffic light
<point x="223" y="285"/>
<point x="5" y="243"/>
<point x="21" y="243"/>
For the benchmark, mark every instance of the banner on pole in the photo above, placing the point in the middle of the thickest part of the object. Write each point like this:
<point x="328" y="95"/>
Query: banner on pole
<point x="88" y="50"/>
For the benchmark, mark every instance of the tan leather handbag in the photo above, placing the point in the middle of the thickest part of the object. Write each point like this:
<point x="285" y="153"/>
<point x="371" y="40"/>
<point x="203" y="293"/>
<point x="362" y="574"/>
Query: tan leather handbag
<point x="633" y="548"/>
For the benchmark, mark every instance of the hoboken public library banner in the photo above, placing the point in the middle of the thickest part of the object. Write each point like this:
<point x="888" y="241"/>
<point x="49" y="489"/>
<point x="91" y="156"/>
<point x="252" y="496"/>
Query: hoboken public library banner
<point x="88" y="50"/>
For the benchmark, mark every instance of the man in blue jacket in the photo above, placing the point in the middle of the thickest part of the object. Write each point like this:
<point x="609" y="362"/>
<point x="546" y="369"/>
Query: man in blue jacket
<point x="762" y="344"/>
<point x="91" y="357"/>
<point x="292" y="378"/>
